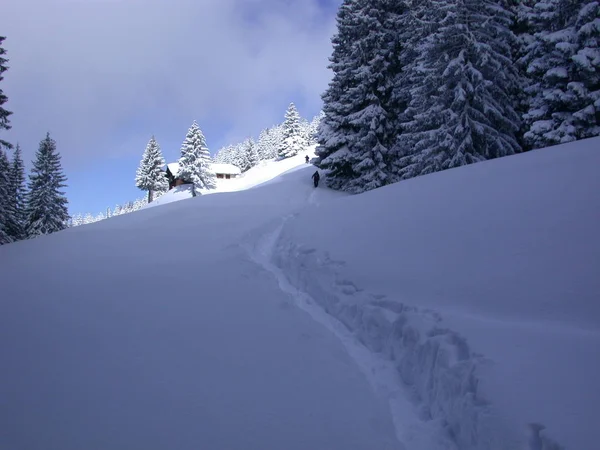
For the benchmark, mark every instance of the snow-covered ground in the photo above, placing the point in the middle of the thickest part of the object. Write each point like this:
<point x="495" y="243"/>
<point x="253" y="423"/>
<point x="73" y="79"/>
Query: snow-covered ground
<point x="458" y="310"/>
<point x="173" y="195"/>
<point x="265" y="172"/>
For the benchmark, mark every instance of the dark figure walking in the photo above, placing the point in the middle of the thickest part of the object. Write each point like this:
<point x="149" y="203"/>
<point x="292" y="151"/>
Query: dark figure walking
<point x="316" y="178"/>
<point x="306" y="159"/>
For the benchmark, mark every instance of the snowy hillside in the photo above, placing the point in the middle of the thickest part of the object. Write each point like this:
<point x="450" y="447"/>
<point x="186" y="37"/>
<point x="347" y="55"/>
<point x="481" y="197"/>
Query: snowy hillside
<point x="453" y="311"/>
<point x="265" y="171"/>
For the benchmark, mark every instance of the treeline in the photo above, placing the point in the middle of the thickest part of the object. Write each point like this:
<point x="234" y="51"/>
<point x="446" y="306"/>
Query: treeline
<point x="428" y="85"/>
<point x="39" y="206"/>
<point x="194" y="167"/>
<point x="280" y="141"/>
<point x="131" y="206"/>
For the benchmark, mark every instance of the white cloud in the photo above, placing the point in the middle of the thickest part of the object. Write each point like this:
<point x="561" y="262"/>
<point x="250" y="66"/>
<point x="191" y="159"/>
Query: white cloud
<point x="97" y="73"/>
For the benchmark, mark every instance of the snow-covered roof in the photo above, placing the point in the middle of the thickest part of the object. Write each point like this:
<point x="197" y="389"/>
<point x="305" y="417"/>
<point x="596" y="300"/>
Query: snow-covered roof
<point x="228" y="169"/>
<point x="174" y="168"/>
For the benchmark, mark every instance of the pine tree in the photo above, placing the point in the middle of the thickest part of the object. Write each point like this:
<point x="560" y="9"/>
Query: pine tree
<point x="231" y="154"/>
<point x="564" y="63"/>
<point x="6" y="216"/>
<point x="463" y="104"/>
<point x="276" y="137"/>
<point x="138" y="204"/>
<point x="524" y="30"/>
<point x="250" y="153"/>
<point x="292" y="142"/>
<point x="77" y="220"/>
<point x="242" y="155"/>
<point x="304" y="132"/>
<point x="359" y="126"/>
<point x="313" y="128"/>
<point x="4" y="114"/>
<point x="150" y="175"/>
<point x="223" y="156"/>
<point x="46" y="204"/>
<point x="195" y="161"/>
<point x="16" y="197"/>
<point x="266" y="148"/>
<point x="5" y="213"/>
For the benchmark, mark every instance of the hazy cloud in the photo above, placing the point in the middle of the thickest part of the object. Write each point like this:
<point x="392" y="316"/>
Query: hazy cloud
<point x="101" y="75"/>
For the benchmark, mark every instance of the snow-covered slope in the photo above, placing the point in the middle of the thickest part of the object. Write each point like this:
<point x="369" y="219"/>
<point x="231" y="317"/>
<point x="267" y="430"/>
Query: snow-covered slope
<point x="451" y="311"/>
<point x="173" y="195"/>
<point x="265" y="172"/>
<point x="480" y="284"/>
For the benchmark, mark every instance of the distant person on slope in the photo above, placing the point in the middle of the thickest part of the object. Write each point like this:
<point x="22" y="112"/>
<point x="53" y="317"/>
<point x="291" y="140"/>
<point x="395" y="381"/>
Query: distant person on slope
<point x="316" y="178"/>
<point x="306" y="159"/>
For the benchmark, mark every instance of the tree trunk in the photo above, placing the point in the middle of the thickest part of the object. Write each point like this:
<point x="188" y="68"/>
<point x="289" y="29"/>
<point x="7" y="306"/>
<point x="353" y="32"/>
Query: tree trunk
<point x="150" y="196"/>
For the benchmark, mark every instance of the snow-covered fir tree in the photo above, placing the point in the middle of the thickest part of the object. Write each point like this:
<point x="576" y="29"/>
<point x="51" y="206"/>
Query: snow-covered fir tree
<point x="563" y="60"/>
<point x="359" y="128"/>
<point x="195" y="161"/>
<point x="292" y="142"/>
<point x="4" y="113"/>
<point x="305" y="131"/>
<point x="463" y="103"/>
<point x="241" y="156"/>
<point x="250" y="154"/>
<point x="5" y="213"/>
<point x="237" y="156"/>
<point x="150" y="175"/>
<point x="4" y="165"/>
<point x="15" y="226"/>
<point x="276" y="138"/>
<point x="76" y="220"/>
<point x="333" y="152"/>
<point x="264" y="146"/>
<point x="138" y="204"/>
<point x="46" y="204"/>
<point x="523" y="29"/>
<point x="313" y="128"/>
<point x="224" y="155"/>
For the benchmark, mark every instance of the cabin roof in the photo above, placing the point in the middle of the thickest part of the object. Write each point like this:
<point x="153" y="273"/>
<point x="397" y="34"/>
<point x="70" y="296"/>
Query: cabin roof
<point x="174" y="168"/>
<point x="227" y="169"/>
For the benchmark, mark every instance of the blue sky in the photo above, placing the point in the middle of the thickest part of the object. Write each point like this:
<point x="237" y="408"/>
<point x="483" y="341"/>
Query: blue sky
<point x="103" y="76"/>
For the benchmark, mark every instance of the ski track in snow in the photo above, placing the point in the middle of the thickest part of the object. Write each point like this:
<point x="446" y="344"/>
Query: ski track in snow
<point x="411" y="431"/>
<point x="427" y="373"/>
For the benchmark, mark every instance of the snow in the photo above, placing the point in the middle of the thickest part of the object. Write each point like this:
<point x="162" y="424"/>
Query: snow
<point x="502" y="260"/>
<point x="174" y="168"/>
<point x="135" y="333"/>
<point x="178" y="193"/>
<point x="265" y="172"/>
<point x="558" y="72"/>
<point x="457" y="310"/>
<point x="226" y="169"/>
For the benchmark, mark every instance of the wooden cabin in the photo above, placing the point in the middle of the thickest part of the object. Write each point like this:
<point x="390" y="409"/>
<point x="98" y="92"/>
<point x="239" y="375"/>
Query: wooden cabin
<point x="226" y="171"/>
<point x="222" y="171"/>
<point x="172" y="170"/>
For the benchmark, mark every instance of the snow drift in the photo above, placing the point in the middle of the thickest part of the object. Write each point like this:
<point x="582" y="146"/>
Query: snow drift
<point x="155" y="330"/>
<point x="264" y="172"/>
<point x="481" y="284"/>
<point x="453" y="311"/>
